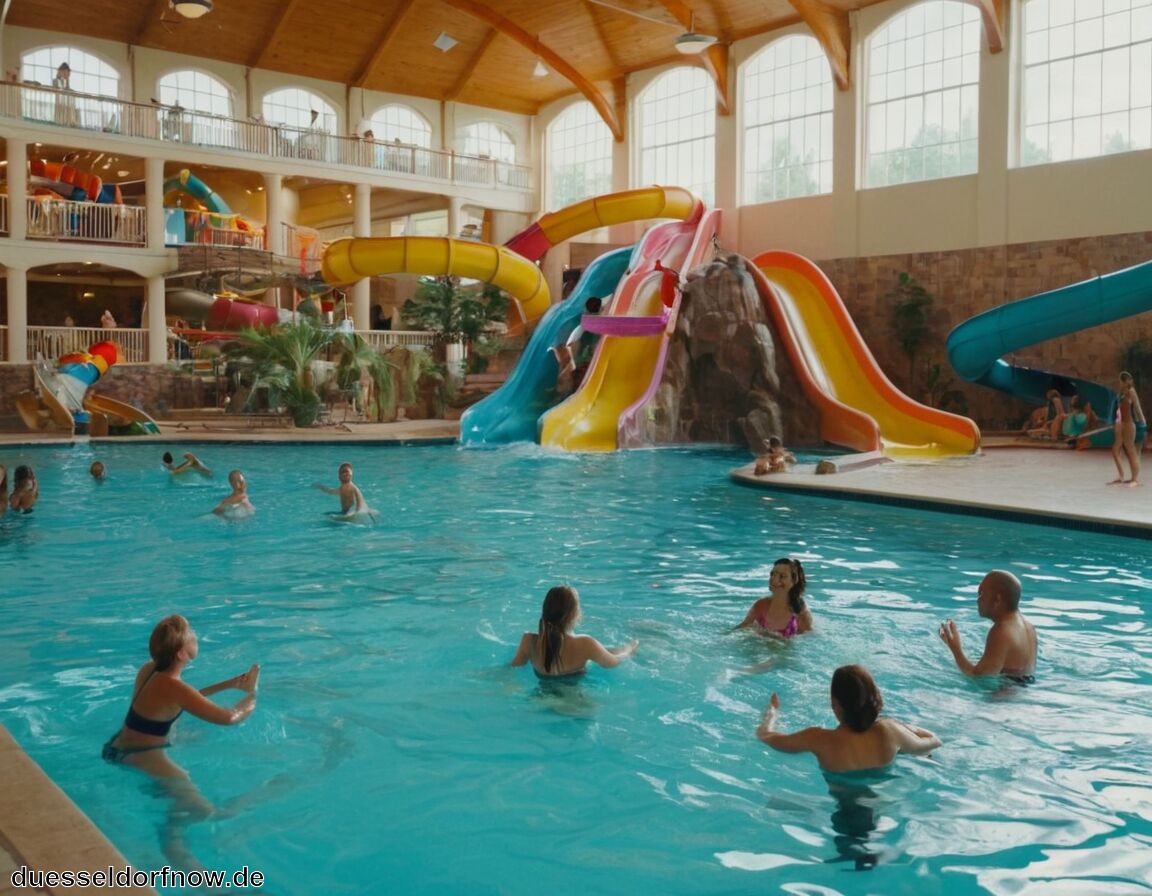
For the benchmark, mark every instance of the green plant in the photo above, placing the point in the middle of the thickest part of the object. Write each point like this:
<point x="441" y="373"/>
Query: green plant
<point x="281" y="358"/>
<point x="910" y="322"/>
<point x="938" y="391"/>
<point x="454" y="312"/>
<point x="1136" y="358"/>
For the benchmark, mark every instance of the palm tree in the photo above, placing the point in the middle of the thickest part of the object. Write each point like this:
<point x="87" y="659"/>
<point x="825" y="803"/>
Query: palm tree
<point x="281" y="357"/>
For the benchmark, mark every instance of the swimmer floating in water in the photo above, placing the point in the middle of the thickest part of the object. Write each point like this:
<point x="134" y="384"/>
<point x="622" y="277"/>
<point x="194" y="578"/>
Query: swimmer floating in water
<point x="553" y="649"/>
<point x="861" y="740"/>
<point x="236" y="505"/>
<point x="98" y="470"/>
<point x="352" y="503"/>
<point x="190" y="462"/>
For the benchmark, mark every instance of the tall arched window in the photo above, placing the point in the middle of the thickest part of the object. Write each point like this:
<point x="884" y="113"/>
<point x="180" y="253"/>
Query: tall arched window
<point x="678" y="132"/>
<point x="579" y="147"/>
<point x="483" y="138"/>
<point x="294" y="108"/>
<point x="787" y="121"/>
<point x="1087" y="85"/>
<point x="74" y="70"/>
<point x="401" y="123"/>
<point x="194" y="90"/>
<point x="922" y="94"/>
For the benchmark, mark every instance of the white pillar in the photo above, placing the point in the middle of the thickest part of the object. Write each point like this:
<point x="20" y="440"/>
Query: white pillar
<point x="154" y="202"/>
<point x="274" y="203"/>
<point x="362" y="227"/>
<point x="157" y="322"/>
<point x="455" y="212"/>
<point x="17" y="313"/>
<point x="18" y="189"/>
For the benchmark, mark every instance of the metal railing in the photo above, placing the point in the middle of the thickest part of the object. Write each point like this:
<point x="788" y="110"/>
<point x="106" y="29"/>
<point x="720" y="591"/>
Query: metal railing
<point x="98" y="222"/>
<point x="4" y="213"/>
<point x="384" y="339"/>
<point x="50" y="343"/>
<point x="171" y="124"/>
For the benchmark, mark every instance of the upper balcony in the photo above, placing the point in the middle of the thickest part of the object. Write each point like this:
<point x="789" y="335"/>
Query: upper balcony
<point x="37" y="105"/>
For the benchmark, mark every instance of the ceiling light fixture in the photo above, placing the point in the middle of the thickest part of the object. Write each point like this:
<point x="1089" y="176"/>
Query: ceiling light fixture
<point x="191" y="9"/>
<point x="444" y="42"/>
<point x="541" y="70"/>
<point x="690" y="43"/>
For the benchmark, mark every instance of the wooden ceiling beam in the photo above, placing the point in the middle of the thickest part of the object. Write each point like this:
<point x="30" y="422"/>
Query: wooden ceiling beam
<point x="152" y="13"/>
<point x="605" y="47"/>
<point x="549" y="57"/>
<point x="381" y="44"/>
<point x="714" y="60"/>
<point x="278" y="27"/>
<point x="470" y="68"/>
<point x="830" y="28"/>
<point x="992" y="15"/>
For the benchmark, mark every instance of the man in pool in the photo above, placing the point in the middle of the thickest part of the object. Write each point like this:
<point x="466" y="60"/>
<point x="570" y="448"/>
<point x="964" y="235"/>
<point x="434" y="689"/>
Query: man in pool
<point x="235" y="505"/>
<point x="352" y="501"/>
<point x="190" y="462"/>
<point x="1010" y="649"/>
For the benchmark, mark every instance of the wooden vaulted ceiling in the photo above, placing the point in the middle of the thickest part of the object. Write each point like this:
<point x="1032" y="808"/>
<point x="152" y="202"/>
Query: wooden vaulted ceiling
<point x="589" y="46"/>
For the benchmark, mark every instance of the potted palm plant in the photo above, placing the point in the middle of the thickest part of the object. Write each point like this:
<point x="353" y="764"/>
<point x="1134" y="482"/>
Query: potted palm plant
<point x="281" y="358"/>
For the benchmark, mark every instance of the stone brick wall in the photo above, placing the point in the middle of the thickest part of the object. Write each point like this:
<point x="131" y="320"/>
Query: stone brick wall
<point x="969" y="281"/>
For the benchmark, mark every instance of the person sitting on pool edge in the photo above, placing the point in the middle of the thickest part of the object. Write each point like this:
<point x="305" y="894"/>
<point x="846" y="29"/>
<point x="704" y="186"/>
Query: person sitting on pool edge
<point x="553" y="649"/>
<point x="190" y="462"/>
<point x="236" y="504"/>
<point x="861" y="740"/>
<point x="1010" y="648"/>
<point x="784" y="612"/>
<point x="775" y="459"/>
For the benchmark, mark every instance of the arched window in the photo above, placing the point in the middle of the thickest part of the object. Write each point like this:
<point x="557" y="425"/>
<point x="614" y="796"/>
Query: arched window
<point x="923" y="94"/>
<point x="1087" y="79"/>
<point x="678" y="132"/>
<point x="787" y="121"/>
<point x="483" y="138"/>
<point x="579" y="147"/>
<point x="74" y="70"/>
<point x="197" y="91"/>
<point x="296" y="108"/>
<point x="401" y="123"/>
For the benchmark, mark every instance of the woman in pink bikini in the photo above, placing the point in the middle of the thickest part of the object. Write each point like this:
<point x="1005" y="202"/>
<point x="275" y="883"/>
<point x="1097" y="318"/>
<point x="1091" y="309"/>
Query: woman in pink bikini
<point x="784" y="613"/>
<point x="1128" y="415"/>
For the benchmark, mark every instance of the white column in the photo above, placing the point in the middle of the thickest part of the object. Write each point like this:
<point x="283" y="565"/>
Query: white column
<point x="18" y="189"/>
<point x="455" y="210"/>
<point x="157" y="322"/>
<point x="17" y="313"/>
<point x="274" y="203"/>
<point x="154" y="202"/>
<point x="362" y="227"/>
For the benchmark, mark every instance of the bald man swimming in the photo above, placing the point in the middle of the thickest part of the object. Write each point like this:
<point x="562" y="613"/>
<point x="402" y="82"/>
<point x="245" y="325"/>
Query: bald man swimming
<point x="1011" y="646"/>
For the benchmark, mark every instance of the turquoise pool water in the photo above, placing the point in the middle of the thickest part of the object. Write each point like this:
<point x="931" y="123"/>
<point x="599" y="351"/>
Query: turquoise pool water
<point x="393" y="750"/>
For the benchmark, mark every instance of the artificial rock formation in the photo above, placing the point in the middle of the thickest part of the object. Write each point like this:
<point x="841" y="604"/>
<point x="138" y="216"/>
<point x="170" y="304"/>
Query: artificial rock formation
<point x="725" y="378"/>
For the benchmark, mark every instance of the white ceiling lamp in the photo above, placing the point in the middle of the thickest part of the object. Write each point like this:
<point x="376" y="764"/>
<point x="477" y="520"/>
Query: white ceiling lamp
<point x="541" y="70"/>
<point x="444" y="42"/>
<point x="690" y="43"/>
<point x="191" y="9"/>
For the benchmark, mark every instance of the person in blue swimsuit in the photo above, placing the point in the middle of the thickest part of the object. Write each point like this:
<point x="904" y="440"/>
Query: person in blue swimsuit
<point x="554" y="651"/>
<point x="784" y="613"/>
<point x="161" y="696"/>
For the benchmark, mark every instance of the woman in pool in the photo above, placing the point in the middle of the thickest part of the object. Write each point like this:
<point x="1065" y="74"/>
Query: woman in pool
<point x="861" y="740"/>
<point x="25" y="490"/>
<point x="1128" y="415"/>
<point x="784" y="612"/>
<point x="553" y="649"/>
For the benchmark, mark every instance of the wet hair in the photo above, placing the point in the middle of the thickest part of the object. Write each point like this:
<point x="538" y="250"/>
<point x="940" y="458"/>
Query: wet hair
<point x="97" y="469"/>
<point x="22" y="474"/>
<point x="593" y="305"/>
<point x="558" y="616"/>
<point x="773" y="442"/>
<point x="796" y="592"/>
<point x="167" y="458"/>
<point x="168" y="638"/>
<point x="859" y="698"/>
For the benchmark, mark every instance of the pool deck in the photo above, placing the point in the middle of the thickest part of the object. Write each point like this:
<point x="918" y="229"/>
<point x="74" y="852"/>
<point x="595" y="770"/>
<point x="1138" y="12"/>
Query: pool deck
<point x="1012" y="479"/>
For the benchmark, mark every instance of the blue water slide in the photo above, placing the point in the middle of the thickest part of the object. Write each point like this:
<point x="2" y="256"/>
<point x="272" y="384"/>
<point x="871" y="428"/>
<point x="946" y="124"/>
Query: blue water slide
<point x="977" y="346"/>
<point x="510" y="413"/>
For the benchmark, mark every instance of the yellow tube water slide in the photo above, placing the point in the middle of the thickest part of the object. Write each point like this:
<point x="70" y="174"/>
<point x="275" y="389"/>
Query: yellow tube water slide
<point x="348" y="260"/>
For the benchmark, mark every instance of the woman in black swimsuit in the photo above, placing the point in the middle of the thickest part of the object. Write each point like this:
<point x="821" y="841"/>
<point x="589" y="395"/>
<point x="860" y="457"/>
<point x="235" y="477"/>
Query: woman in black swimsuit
<point x="553" y="649"/>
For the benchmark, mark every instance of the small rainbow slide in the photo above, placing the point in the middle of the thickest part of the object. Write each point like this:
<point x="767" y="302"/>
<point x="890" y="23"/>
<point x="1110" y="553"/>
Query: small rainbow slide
<point x="859" y="407"/>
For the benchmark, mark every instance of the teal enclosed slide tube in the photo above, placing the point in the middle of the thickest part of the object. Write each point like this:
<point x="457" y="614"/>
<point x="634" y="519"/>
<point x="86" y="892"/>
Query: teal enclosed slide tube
<point x="976" y="347"/>
<point x="510" y="413"/>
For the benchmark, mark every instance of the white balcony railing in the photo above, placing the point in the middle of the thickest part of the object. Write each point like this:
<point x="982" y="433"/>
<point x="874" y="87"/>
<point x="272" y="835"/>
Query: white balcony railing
<point x="50" y="343"/>
<point x="62" y="108"/>
<point x="86" y="221"/>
